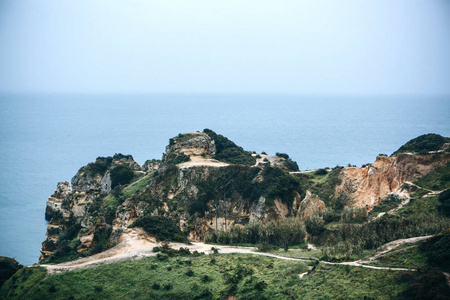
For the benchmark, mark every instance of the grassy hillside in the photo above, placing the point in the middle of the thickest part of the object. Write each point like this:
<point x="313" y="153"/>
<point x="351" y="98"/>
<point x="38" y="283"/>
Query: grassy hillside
<point x="206" y="277"/>
<point x="424" y="143"/>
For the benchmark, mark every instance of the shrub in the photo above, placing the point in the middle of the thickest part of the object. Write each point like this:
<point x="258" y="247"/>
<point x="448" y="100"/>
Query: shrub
<point x="8" y="267"/>
<point x="432" y="284"/>
<point x="444" y="206"/>
<point x="189" y="273"/>
<point x="163" y="228"/>
<point x="424" y="144"/>
<point x="321" y="172"/>
<point x="121" y="175"/>
<point x="437" y="250"/>
<point x="284" y="233"/>
<point x="98" y="288"/>
<point x="156" y="286"/>
<point x="228" y="151"/>
<point x="264" y="247"/>
<point x="283" y="155"/>
<point x="291" y="165"/>
<point x="100" y="166"/>
<point x="162" y="256"/>
<point x="316" y="225"/>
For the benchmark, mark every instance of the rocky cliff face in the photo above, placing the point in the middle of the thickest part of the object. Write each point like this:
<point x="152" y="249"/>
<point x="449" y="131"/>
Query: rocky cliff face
<point x="69" y="207"/>
<point x="200" y="193"/>
<point x="368" y="186"/>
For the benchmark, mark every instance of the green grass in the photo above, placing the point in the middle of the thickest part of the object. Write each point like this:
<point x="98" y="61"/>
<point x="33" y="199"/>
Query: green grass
<point x="315" y="178"/>
<point x="427" y="205"/>
<point x="386" y="205"/>
<point x="438" y="180"/>
<point x="245" y="276"/>
<point x="298" y="253"/>
<point x="25" y="282"/>
<point x="112" y="201"/>
<point x="346" y="282"/>
<point x="405" y="256"/>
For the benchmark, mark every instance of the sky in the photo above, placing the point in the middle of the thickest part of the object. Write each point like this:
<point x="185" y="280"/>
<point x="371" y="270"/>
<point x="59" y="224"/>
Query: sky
<point x="356" y="47"/>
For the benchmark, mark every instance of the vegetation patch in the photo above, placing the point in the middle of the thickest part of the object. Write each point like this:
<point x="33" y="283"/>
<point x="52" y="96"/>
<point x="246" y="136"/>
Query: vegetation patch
<point x="121" y="175"/>
<point x="283" y="233"/>
<point x="25" y="282"/>
<point x="228" y="151"/>
<point x="163" y="228"/>
<point x="325" y="189"/>
<point x="423" y="144"/>
<point x="437" y="180"/>
<point x="406" y="256"/>
<point x="392" y="201"/>
<point x="347" y="240"/>
<point x="437" y="250"/>
<point x="8" y="267"/>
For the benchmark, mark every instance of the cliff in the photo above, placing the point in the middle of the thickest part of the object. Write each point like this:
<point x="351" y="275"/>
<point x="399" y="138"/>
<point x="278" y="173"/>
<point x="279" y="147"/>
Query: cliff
<point x="204" y="182"/>
<point x="370" y="185"/>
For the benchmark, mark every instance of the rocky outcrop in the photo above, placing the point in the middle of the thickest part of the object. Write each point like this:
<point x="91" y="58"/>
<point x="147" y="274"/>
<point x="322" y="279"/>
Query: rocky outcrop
<point x="194" y="143"/>
<point x="310" y="206"/>
<point x="368" y="186"/>
<point x="200" y="193"/>
<point x="151" y="165"/>
<point x="70" y="206"/>
<point x="55" y="202"/>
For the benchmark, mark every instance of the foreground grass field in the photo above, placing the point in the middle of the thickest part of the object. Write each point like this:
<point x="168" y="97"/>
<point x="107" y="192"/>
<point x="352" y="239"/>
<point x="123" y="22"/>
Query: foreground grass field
<point x="206" y="277"/>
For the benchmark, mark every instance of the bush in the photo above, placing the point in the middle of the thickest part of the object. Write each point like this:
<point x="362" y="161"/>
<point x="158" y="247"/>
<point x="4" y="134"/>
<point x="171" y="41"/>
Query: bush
<point x="163" y="228"/>
<point x="316" y="225"/>
<point x="121" y="175"/>
<point x="321" y="172"/>
<point x="100" y="166"/>
<point x="189" y="273"/>
<point x="286" y="232"/>
<point x="8" y="267"/>
<point x="291" y="165"/>
<point x="424" y="144"/>
<point x="444" y="206"/>
<point x="228" y="151"/>
<point x="437" y="250"/>
<point x="432" y="284"/>
<point x="264" y="247"/>
<point x="283" y="155"/>
<point x="156" y="286"/>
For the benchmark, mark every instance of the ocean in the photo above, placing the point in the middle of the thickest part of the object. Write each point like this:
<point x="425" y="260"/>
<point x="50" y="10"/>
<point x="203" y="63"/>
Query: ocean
<point x="45" y="139"/>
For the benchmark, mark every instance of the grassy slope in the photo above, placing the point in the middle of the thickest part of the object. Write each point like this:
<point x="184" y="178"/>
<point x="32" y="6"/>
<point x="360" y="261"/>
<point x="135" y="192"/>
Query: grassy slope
<point x="246" y="276"/>
<point x="139" y="185"/>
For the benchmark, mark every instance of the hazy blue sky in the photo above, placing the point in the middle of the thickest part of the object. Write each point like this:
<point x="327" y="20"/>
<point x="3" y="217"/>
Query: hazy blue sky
<point x="304" y="47"/>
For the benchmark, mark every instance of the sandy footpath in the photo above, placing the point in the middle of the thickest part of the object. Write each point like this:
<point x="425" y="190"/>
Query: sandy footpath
<point x="137" y="244"/>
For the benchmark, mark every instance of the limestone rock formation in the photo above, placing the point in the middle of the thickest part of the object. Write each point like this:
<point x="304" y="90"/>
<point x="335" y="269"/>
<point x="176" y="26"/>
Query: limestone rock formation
<point x="309" y="206"/>
<point x="368" y="186"/>
<point x="200" y="193"/>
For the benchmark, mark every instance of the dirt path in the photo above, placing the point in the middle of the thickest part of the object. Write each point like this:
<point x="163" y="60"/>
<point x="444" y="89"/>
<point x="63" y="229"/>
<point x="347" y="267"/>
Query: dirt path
<point x="197" y="161"/>
<point x="136" y="244"/>
<point x="392" y="245"/>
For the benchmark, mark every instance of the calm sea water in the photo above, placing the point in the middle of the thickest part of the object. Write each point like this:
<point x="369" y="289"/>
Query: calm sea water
<point x="46" y="139"/>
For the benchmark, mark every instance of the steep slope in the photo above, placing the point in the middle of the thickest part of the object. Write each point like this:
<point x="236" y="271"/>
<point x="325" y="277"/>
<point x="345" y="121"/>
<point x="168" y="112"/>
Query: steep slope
<point x="200" y="186"/>
<point x="189" y="186"/>
<point x="369" y="186"/>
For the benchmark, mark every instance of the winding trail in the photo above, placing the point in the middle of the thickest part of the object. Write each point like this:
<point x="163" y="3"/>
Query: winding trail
<point x="136" y="245"/>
